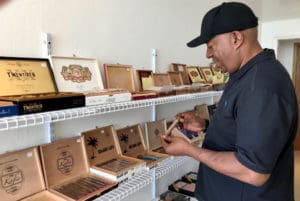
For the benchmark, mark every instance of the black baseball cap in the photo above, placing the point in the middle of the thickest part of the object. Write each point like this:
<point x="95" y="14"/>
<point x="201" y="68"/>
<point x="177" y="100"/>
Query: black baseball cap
<point x="227" y="17"/>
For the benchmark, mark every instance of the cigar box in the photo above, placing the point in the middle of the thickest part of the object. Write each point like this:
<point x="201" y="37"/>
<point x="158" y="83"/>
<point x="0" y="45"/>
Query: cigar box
<point x="67" y="172"/>
<point x="183" y="187"/>
<point x="162" y="84"/>
<point x="119" y="76"/>
<point x="29" y="84"/>
<point x="132" y="144"/>
<point x="182" y="68"/>
<point x="105" y="158"/>
<point x="22" y="177"/>
<point x="176" y="78"/>
<point x="202" y="111"/>
<point x="195" y="75"/>
<point x="154" y="130"/>
<point x="7" y="108"/>
<point x="190" y="177"/>
<point x="207" y="74"/>
<point x="144" y="79"/>
<point x="173" y="196"/>
<point x="74" y="74"/>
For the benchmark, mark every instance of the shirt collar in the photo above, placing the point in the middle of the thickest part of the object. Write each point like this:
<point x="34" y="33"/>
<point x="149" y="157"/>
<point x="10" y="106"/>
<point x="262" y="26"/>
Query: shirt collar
<point x="266" y="54"/>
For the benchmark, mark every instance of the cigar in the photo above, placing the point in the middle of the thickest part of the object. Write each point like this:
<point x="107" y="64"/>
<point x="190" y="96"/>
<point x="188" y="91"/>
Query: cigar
<point x="175" y="122"/>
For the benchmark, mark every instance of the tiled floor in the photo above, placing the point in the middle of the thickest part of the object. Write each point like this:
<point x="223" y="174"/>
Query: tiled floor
<point x="297" y="176"/>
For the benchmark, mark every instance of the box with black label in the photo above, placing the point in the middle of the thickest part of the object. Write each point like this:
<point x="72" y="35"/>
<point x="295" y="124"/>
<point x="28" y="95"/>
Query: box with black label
<point x="67" y="172"/>
<point x="190" y="177"/>
<point x="183" y="187"/>
<point x="29" y="83"/>
<point x="132" y="144"/>
<point x="105" y="158"/>
<point x="22" y="177"/>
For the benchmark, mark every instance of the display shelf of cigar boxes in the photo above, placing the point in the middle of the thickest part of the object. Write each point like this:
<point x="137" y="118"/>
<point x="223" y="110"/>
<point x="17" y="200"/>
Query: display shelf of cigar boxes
<point x="22" y="121"/>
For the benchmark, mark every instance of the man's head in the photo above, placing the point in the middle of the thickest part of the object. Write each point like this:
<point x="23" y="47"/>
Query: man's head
<point x="230" y="32"/>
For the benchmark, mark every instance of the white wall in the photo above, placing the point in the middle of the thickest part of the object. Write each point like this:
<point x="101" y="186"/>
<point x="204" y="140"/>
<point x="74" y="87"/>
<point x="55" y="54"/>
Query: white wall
<point x="113" y="31"/>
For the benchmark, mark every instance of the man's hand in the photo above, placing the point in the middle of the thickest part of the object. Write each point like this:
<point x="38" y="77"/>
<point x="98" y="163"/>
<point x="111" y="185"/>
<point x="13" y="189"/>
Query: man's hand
<point x="176" y="146"/>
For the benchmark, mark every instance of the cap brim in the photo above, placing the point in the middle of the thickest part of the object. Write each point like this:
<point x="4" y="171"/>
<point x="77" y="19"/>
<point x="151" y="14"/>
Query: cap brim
<point x="196" y="42"/>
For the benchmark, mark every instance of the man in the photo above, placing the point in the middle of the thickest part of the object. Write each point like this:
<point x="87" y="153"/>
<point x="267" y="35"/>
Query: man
<point x="247" y="153"/>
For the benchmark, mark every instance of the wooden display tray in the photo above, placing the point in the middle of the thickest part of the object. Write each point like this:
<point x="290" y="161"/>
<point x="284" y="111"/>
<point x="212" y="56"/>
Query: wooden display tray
<point x="29" y="83"/>
<point x="22" y="177"/>
<point x="119" y="76"/>
<point x="132" y="144"/>
<point x="183" y="69"/>
<point x="67" y="171"/>
<point x="144" y="79"/>
<point x="104" y="155"/>
<point x="154" y="130"/>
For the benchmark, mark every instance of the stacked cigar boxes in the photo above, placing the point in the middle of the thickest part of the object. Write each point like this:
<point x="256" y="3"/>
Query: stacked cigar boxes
<point x="67" y="171"/>
<point x="74" y="74"/>
<point x="22" y="177"/>
<point x="105" y="157"/>
<point x="28" y="84"/>
<point x="132" y="144"/>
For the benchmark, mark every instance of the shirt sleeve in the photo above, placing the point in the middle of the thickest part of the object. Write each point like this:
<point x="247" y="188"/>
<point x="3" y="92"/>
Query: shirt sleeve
<point x="263" y="127"/>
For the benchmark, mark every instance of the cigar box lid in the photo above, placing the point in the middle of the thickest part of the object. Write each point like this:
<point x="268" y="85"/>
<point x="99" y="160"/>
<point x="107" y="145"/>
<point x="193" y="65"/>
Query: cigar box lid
<point x="206" y="73"/>
<point x="176" y="78"/>
<point x="21" y="76"/>
<point x="161" y="79"/>
<point x="144" y="79"/>
<point x="63" y="160"/>
<point x="195" y="75"/>
<point x="21" y="174"/>
<point x="101" y="144"/>
<point x="119" y="76"/>
<point x="153" y="131"/>
<point x="182" y="68"/>
<point x="75" y="74"/>
<point x="131" y="140"/>
<point x="202" y="111"/>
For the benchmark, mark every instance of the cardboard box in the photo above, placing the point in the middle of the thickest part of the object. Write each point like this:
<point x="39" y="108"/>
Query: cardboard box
<point x="132" y="144"/>
<point x="119" y="76"/>
<point x="29" y="83"/>
<point x="74" y="74"/>
<point x="105" y="158"/>
<point x="154" y="130"/>
<point x="22" y="177"/>
<point x="67" y="171"/>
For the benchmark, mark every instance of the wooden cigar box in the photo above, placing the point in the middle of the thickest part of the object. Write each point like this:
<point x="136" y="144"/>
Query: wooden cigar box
<point x="132" y="144"/>
<point x="29" y="84"/>
<point x="154" y="130"/>
<point x="195" y="75"/>
<point x="183" y="187"/>
<point x="162" y="84"/>
<point x="182" y="68"/>
<point x="173" y="196"/>
<point x="67" y="171"/>
<point x="202" y="111"/>
<point x="119" y="76"/>
<point x="144" y="79"/>
<point x="105" y="158"/>
<point x="207" y="73"/>
<point x="74" y="74"/>
<point x="22" y="177"/>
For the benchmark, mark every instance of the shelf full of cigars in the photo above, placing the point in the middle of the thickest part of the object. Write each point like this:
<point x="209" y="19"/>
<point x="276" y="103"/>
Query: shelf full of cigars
<point x="36" y="85"/>
<point x="100" y="162"/>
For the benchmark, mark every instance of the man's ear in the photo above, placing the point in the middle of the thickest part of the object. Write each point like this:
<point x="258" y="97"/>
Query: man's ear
<point x="237" y="38"/>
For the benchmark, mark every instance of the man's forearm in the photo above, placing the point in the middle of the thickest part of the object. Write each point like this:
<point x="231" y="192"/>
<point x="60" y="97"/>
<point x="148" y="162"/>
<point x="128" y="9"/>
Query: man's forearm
<point x="226" y="163"/>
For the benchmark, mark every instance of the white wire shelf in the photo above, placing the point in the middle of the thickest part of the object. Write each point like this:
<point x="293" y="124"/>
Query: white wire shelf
<point x="129" y="187"/>
<point x="14" y="122"/>
<point x="169" y="166"/>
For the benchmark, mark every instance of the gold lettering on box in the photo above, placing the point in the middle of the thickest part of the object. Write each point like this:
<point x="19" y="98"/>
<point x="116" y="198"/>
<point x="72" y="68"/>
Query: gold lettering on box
<point x="11" y="179"/>
<point x="33" y="107"/>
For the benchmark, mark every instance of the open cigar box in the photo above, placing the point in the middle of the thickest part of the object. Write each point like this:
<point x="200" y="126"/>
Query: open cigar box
<point x="74" y="74"/>
<point x="162" y="84"/>
<point x="132" y="144"/>
<point x="182" y="68"/>
<point x="105" y="158"/>
<point x="22" y="177"/>
<point x="183" y="187"/>
<point x="121" y="76"/>
<point x="154" y="130"/>
<point x="29" y="84"/>
<point x="67" y="172"/>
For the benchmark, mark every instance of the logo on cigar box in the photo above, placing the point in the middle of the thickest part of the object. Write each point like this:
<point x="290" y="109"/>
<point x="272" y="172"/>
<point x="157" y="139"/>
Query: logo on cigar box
<point x="21" y="75"/>
<point x="65" y="162"/>
<point x="76" y="73"/>
<point x="11" y="179"/>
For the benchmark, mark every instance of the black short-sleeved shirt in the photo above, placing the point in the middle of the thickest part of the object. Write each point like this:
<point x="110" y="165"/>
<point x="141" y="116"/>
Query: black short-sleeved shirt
<point x="256" y="119"/>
